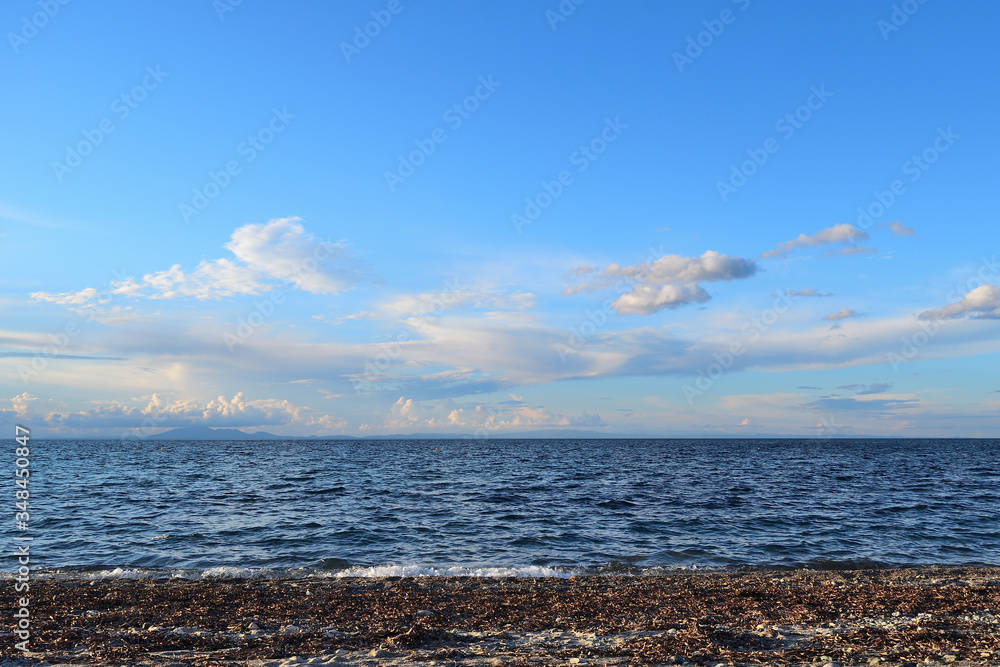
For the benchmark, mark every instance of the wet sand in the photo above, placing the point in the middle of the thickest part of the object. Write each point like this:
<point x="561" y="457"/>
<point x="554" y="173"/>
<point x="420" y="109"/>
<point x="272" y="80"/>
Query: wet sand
<point x="861" y="617"/>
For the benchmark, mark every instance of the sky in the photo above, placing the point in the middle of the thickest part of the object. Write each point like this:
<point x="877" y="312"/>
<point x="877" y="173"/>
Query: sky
<point x="729" y="218"/>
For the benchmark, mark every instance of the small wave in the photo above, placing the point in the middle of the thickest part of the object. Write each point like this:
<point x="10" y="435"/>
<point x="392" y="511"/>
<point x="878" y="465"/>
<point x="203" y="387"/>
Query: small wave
<point x="454" y="571"/>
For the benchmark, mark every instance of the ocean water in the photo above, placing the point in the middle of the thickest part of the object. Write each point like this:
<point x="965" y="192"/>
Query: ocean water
<point x="491" y="507"/>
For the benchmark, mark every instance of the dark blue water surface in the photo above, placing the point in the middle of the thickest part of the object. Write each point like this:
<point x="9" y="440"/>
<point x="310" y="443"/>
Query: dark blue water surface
<point x="459" y="507"/>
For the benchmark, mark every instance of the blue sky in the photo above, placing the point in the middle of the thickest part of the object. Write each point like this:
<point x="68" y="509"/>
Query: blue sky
<point x="729" y="218"/>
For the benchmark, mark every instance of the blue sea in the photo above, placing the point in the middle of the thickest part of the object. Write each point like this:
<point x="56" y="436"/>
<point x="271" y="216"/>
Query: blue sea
<point x="507" y="507"/>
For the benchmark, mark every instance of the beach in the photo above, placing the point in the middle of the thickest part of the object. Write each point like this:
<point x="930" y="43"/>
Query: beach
<point x="778" y="617"/>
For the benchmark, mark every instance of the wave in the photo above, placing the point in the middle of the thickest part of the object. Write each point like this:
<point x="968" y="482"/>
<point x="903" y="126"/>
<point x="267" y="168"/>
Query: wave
<point x="454" y="571"/>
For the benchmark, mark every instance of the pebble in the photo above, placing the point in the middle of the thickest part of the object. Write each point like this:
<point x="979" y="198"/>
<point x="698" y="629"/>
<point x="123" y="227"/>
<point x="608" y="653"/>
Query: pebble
<point x="425" y="612"/>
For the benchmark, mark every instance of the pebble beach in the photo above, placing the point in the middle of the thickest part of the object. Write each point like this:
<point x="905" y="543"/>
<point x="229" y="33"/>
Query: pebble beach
<point x="889" y="617"/>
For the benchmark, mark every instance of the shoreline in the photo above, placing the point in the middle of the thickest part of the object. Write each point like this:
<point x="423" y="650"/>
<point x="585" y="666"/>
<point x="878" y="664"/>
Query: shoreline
<point x="901" y="616"/>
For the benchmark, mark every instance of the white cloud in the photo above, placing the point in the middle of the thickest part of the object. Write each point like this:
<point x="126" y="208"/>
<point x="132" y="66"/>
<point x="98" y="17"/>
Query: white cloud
<point x="280" y="250"/>
<point x="159" y="413"/>
<point x="667" y="282"/>
<point x="453" y="297"/>
<point x="646" y="299"/>
<point x="484" y="419"/>
<point x="842" y="233"/>
<point x="21" y="403"/>
<point x="981" y="302"/>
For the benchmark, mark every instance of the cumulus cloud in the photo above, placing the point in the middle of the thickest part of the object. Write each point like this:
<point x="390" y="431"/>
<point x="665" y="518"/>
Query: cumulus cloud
<point x="646" y="299"/>
<point x="842" y="314"/>
<point x="282" y="250"/>
<point x="842" y="233"/>
<point x="159" y="413"/>
<point x="670" y="281"/>
<point x="269" y="255"/>
<point x="982" y="302"/>
<point x="479" y="418"/>
<point x="21" y="404"/>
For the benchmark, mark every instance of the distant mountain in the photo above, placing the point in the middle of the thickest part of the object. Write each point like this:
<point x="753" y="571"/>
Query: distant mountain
<point x="497" y="435"/>
<point x="206" y="433"/>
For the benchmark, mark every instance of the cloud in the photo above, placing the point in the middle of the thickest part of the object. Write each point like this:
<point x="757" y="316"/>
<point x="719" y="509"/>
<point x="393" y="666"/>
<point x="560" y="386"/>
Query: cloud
<point x="809" y="292"/>
<point x="851" y="250"/>
<point x="866" y="389"/>
<point x="842" y="233"/>
<point x="898" y="228"/>
<point x="842" y="314"/>
<point x="160" y="413"/>
<point x="269" y="255"/>
<point x="807" y="387"/>
<point x="282" y="250"/>
<point x="21" y="403"/>
<point x="982" y="302"/>
<point x="646" y="299"/>
<point x="667" y="282"/>
<point x="876" y="406"/>
<point x="454" y="297"/>
<point x="481" y="418"/>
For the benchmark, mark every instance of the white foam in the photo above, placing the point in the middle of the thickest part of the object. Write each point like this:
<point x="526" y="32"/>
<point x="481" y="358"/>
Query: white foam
<point x="119" y="573"/>
<point x="454" y="571"/>
<point x="230" y="572"/>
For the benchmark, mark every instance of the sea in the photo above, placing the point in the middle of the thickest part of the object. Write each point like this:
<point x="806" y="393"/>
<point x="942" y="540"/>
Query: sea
<point x="505" y="507"/>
